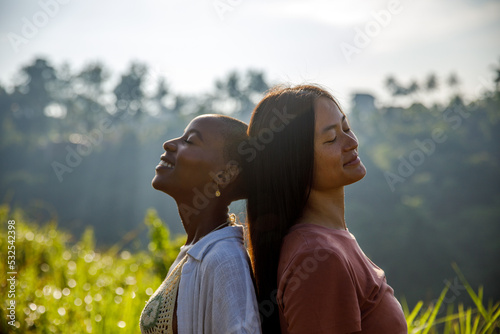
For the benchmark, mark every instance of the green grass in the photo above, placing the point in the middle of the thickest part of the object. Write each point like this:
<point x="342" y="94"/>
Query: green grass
<point x="72" y="288"/>
<point x="64" y="288"/>
<point x="481" y="319"/>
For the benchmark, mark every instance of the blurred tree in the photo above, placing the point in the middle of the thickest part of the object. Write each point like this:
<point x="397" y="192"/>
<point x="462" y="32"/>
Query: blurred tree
<point x="398" y="89"/>
<point x="497" y="76"/>
<point x="38" y="83"/>
<point x="256" y="81"/>
<point x="5" y="111"/>
<point x="393" y="86"/>
<point x="92" y="78"/>
<point x="237" y="94"/>
<point x="84" y="99"/>
<point x="413" y="88"/>
<point x="160" y="94"/>
<point x="129" y="93"/>
<point x="431" y="83"/>
<point x="453" y="80"/>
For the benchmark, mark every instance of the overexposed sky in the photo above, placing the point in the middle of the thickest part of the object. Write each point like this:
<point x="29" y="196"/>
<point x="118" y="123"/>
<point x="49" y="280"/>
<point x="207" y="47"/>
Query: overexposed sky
<point x="192" y="43"/>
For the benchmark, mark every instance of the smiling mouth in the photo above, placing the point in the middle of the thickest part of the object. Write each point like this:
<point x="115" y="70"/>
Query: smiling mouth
<point x="354" y="161"/>
<point x="166" y="164"/>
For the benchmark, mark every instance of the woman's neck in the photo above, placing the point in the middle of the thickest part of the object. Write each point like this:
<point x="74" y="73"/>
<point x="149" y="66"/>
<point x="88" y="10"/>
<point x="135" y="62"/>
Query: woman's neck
<point x="325" y="209"/>
<point x="200" y="222"/>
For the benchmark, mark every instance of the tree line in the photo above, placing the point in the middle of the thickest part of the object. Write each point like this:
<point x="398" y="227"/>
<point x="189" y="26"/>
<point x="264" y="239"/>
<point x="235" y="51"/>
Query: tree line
<point x="80" y="148"/>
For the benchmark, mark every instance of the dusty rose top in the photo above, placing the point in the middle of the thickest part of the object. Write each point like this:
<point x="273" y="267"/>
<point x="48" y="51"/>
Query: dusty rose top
<point x="326" y="284"/>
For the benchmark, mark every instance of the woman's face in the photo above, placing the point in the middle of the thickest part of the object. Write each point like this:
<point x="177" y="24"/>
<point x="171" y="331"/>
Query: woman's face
<point x="190" y="161"/>
<point x="336" y="161"/>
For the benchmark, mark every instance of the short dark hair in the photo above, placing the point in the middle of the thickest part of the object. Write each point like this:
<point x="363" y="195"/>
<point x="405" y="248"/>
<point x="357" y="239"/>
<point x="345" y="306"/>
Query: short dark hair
<point x="280" y="180"/>
<point x="234" y="133"/>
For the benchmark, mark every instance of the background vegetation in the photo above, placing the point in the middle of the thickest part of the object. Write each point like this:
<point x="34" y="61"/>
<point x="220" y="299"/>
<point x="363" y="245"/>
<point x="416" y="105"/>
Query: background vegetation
<point x="80" y="148"/>
<point x="65" y="287"/>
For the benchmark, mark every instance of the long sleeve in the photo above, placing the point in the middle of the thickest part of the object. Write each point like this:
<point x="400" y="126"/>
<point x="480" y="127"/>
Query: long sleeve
<point x="216" y="292"/>
<point x="232" y="306"/>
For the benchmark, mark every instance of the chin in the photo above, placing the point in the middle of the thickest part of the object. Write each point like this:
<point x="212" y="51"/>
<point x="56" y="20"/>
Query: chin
<point x="360" y="175"/>
<point x="363" y="173"/>
<point x="156" y="183"/>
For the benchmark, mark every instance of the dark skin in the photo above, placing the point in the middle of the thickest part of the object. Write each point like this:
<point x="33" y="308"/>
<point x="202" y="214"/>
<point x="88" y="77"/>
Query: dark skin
<point x="195" y="161"/>
<point x="195" y="165"/>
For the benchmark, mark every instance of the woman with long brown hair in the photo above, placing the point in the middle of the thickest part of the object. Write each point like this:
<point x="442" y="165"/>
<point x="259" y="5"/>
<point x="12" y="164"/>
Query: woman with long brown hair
<point x="311" y="275"/>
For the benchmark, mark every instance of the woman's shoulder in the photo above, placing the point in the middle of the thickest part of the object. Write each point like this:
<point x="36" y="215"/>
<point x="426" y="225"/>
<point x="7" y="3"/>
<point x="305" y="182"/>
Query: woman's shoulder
<point x="308" y="237"/>
<point x="307" y="247"/>
<point x="312" y="241"/>
<point x="226" y="251"/>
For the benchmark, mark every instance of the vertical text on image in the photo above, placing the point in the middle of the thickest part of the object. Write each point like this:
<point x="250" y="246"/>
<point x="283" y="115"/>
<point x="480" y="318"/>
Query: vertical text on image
<point x="11" y="274"/>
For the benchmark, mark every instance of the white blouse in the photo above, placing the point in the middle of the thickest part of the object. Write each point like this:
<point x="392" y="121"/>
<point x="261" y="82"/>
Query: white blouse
<point x="216" y="293"/>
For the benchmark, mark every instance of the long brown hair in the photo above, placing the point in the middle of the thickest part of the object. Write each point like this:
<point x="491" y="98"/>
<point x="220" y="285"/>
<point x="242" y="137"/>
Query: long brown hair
<point x="281" y="133"/>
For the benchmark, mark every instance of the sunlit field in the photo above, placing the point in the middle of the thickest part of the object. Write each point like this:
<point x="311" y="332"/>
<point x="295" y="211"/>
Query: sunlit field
<point x="66" y="287"/>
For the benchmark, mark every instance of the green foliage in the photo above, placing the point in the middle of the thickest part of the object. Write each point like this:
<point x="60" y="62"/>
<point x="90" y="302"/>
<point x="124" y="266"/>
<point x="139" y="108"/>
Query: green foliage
<point x="163" y="249"/>
<point x="73" y="288"/>
<point x="445" y="205"/>
<point x="483" y="319"/>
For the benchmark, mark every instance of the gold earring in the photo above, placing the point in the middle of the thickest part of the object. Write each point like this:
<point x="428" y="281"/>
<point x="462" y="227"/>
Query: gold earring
<point x="217" y="192"/>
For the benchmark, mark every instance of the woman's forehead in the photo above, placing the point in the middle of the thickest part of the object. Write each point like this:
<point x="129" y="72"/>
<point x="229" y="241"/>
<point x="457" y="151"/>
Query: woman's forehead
<point x="327" y="111"/>
<point x="208" y="127"/>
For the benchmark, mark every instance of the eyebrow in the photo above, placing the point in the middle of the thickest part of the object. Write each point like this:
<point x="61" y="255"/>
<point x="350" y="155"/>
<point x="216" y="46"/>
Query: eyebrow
<point x="333" y="126"/>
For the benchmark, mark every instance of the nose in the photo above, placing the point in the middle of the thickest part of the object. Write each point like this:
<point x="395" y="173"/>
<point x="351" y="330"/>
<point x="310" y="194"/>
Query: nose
<point x="351" y="142"/>
<point x="169" y="145"/>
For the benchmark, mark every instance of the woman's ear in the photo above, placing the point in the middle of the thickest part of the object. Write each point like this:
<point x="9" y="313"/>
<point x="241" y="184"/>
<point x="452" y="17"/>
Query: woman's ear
<point x="232" y="170"/>
<point x="228" y="175"/>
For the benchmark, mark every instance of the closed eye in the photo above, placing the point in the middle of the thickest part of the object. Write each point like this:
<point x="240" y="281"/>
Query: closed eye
<point x="188" y="140"/>
<point x="334" y="139"/>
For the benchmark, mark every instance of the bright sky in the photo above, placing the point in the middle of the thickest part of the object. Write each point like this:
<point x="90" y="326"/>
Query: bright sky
<point x="194" y="42"/>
